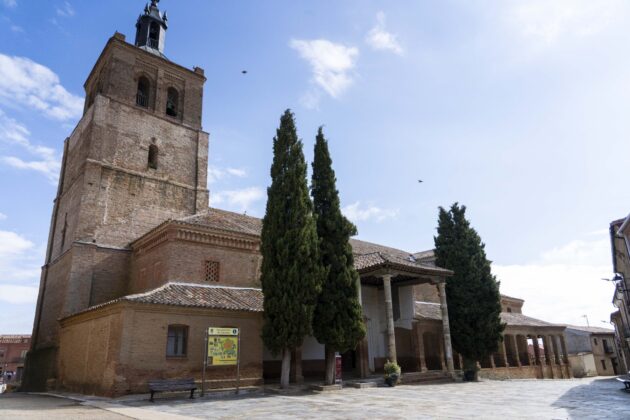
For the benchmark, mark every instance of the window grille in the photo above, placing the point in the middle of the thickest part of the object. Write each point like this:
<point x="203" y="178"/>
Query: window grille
<point x="212" y="271"/>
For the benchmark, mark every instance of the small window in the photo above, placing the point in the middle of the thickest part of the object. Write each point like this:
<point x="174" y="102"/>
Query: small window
<point x="153" y="156"/>
<point x="142" y="96"/>
<point x="595" y="341"/>
<point x="2" y="353"/>
<point x="509" y="309"/>
<point x="212" y="271"/>
<point x="177" y="342"/>
<point x="604" y="364"/>
<point x="172" y="100"/>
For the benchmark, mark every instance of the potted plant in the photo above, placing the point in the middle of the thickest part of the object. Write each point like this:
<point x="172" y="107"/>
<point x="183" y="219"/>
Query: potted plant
<point x="392" y="373"/>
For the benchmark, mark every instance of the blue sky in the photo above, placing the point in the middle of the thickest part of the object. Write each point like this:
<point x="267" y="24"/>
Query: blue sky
<point x="517" y="109"/>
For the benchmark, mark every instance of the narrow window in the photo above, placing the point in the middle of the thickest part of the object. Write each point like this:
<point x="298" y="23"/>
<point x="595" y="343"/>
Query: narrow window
<point x="142" y="97"/>
<point x="177" y="341"/>
<point x="153" y="156"/>
<point x="604" y="364"/>
<point x="172" y="101"/>
<point x="595" y="341"/>
<point x="154" y="35"/>
<point x="212" y="271"/>
<point x="509" y="309"/>
<point x="64" y="230"/>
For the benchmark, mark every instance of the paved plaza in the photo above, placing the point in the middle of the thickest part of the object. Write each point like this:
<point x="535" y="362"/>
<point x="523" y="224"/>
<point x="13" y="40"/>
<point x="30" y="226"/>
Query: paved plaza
<point x="592" y="398"/>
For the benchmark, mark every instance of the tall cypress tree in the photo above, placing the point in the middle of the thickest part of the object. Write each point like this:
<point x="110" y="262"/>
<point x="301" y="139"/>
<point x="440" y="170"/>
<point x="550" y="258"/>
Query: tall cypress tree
<point x="474" y="302"/>
<point x="291" y="274"/>
<point x="338" y="319"/>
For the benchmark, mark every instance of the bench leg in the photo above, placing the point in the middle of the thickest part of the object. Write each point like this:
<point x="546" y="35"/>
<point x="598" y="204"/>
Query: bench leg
<point x="192" y="394"/>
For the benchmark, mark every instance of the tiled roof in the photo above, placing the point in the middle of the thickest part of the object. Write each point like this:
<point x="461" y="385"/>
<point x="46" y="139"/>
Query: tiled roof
<point x="520" y="320"/>
<point x="510" y="297"/>
<point x="226" y="220"/>
<point x="375" y="259"/>
<point x="427" y="310"/>
<point x="592" y="330"/>
<point x="366" y="254"/>
<point x="196" y="296"/>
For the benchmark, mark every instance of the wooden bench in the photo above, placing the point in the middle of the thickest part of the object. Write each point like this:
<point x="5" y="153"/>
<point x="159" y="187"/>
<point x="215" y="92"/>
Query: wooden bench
<point x="172" y="385"/>
<point x="626" y="382"/>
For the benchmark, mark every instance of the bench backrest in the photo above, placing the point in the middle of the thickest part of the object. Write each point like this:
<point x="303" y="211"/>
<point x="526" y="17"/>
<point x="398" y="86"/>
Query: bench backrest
<point x="171" y="383"/>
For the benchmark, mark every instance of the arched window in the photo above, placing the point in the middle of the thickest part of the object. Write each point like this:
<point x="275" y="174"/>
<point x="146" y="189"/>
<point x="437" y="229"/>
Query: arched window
<point x="172" y="100"/>
<point x="154" y="35"/>
<point x="153" y="156"/>
<point x="142" y="97"/>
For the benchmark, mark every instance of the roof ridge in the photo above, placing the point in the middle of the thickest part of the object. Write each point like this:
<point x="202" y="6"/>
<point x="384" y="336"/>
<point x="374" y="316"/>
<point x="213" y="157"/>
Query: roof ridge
<point x="212" y="286"/>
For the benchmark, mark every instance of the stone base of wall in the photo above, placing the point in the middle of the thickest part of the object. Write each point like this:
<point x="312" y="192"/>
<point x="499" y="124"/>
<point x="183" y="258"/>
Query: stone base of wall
<point x="527" y="372"/>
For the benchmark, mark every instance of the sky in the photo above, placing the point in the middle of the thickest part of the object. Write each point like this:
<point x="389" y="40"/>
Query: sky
<point x="516" y="109"/>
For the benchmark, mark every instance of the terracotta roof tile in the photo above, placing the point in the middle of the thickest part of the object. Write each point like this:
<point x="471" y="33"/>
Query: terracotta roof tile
<point x="514" y="319"/>
<point x="196" y="296"/>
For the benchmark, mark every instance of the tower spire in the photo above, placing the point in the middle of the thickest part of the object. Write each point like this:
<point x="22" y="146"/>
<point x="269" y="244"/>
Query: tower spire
<point x="151" y="29"/>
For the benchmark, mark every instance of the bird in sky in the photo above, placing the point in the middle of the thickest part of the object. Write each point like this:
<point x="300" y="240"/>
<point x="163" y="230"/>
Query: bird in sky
<point x="244" y="71"/>
<point x="420" y="181"/>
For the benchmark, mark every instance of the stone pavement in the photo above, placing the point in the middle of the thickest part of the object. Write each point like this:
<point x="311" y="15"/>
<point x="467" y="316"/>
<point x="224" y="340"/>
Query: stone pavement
<point x="595" y="398"/>
<point x="25" y="406"/>
<point x="589" y="398"/>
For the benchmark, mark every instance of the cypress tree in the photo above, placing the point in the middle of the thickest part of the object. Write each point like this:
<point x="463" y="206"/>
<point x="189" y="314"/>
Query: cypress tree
<point x="338" y="319"/>
<point x="291" y="272"/>
<point x="474" y="302"/>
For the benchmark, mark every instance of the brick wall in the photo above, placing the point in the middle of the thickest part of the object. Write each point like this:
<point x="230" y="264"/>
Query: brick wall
<point x="116" y="350"/>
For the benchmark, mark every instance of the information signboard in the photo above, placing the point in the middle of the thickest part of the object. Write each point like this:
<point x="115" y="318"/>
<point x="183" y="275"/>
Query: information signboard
<point x="222" y="346"/>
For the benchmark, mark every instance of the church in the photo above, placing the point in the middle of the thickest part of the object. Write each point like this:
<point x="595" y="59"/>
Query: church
<point x="138" y="265"/>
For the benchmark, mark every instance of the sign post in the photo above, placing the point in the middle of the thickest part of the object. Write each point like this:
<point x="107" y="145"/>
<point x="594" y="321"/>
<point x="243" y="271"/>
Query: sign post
<point x="223" y="349"/>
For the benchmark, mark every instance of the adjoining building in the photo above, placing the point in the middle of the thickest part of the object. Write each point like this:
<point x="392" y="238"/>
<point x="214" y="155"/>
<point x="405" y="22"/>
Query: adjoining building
<point x="13" y="349"/>
<point x="531" y="348"/>
<point x="592" y="351"/>
<point x="620" y="247"/>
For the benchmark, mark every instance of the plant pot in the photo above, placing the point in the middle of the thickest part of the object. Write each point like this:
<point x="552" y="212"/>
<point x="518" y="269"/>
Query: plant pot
<point x="470" y="375"/>
<point x="392" y="379"/>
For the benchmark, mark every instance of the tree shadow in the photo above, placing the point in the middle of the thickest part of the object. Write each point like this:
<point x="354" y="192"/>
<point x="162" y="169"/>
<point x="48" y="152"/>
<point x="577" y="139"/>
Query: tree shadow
<point x="599" y="398"/>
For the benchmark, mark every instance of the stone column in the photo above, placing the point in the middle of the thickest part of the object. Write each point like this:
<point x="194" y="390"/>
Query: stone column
<point x="505" y="358"/>
<point x="492" y="364"/>
<point x="391" y="332"/>
<point x="442" y="355"/>
<point x="518" y="358"/>
<point x="565" y="355"/>
<point x="536" y="350"/>
<point x="461" y="362"/>
<point x="421" y="356"/>
<point x="446" y="327"/>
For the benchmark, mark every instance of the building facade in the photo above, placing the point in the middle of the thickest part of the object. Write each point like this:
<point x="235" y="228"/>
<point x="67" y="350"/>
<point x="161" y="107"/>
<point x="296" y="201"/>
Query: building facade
<point x="13" y="350"/>
<point x="593" y="351"/>
<point x="620" y="247"/>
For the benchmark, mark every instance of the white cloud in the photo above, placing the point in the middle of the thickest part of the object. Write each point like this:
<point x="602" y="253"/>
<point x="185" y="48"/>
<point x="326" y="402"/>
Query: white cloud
<point x="65" y="10"/>
<point x="18" y="294"/>
<point x="215" y="173"/>
<point x="380" y="39"/>
<point x="565" y="283"/>
<point x="10" y="3"/>
<point x="546" y="23"/>
<point x="238" y="200"/>
<point x="332" y="65"/>
<point x="26" y="83"/>
<point x="47" y="162"/>
<point x="3" y="216"/>
<point x="370" y="212"/>
<point x="19" y="259"/>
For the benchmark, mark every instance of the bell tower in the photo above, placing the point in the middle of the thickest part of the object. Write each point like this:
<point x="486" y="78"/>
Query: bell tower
<point x="137" y="158"/>
<point x="151" y="29"/>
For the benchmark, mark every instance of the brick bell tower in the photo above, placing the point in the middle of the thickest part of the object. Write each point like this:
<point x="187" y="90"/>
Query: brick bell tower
<point x="137" y="158"/>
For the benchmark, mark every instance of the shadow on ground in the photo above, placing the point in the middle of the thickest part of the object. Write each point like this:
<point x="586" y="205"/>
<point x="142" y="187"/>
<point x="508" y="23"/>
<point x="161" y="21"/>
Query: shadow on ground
<point x="602" y="398"/>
